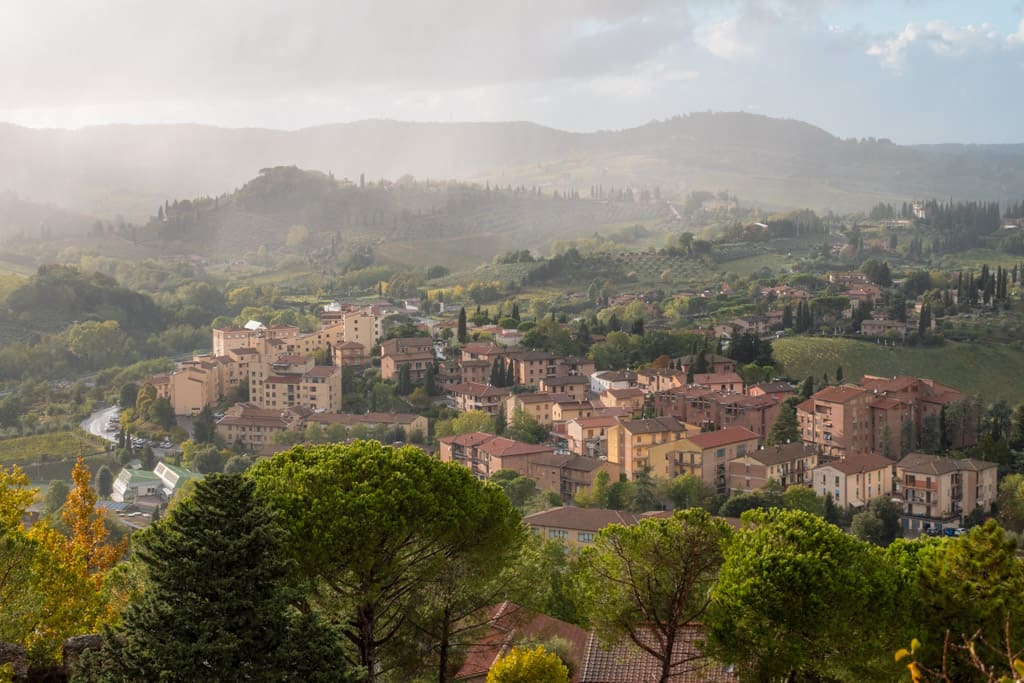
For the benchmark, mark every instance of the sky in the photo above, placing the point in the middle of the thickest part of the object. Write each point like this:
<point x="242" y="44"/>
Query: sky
<point x="914" y="71"/>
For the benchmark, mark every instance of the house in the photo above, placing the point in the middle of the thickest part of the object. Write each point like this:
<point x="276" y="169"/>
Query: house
<point x="624" y="662"/>
<point x="787" y="464"/>
<point x="659" y="379"/>
<point x="473" y="396"/>
<point x="416" y="353"/>
<point x="719" y="381"/>
<point x="131" y="484"/>
<point x="883" y="327"/>
<point x="568" y="474"/>
<point x="712" y="363"/>
<point x="704" y="454"/>
<point x="566" y="409"/>
<point x="538" y="405"/>
<point x="253" y="426"/>
<point x="780" y="390"/>
<point x="508" y="625"/>
<point x="938" y="493"/>
<point x="576" y="527"/>
<point x="589" y="435"/>
<point x="573" y="386"/>
<point x="631" y="400"/>
<point x="606" y="380"/>
<point x="349" y="354"/>
<point x="484" y="454"/>
<point x="531" y="367"/>
<point x="630" y="440"/>
<point x="855" y="480"/>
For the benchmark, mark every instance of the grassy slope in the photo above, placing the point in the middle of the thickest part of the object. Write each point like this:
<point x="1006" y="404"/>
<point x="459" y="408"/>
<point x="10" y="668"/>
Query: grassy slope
<point x="991" y="371"/>
<point x="54" y="445"/>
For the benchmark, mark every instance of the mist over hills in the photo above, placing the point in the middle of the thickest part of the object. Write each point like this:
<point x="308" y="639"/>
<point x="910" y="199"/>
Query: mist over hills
<point x="129" y="170"/>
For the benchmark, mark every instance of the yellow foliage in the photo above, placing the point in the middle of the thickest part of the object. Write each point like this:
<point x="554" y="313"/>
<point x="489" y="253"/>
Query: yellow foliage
<point x="529" y="666"/>
<point x="15" y="495"/>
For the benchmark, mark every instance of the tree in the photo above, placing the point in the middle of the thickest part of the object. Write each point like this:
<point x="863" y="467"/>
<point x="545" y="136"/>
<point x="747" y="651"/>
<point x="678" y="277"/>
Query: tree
<point x="525" y="427"/>
<point x="806" y="388"/>
<point x="204" y="428"/>
<point x="970" y="586"/>
<point x="104" y="482"/>
<point x="687" y="491"/>
<point x="798" y="497"/>
<point x="162" y="412"/>
<point x="518" y="488"/>
<point x="404" y="382"/>
<point x="786" y="575"/>
<point x="879" y="523"/>
<point x="464" y="423"/>
<point x="462" y="333"/>
<point x="785" y="429"/>
<point x="529" y="666"/>
<point x="216" y="601"/>
<point x="385" y="527"/>
<point x="56" y="493"/>
<point x="88" y="532"/>
<point x="129" y="392"/>
<point x="652" y="578"/>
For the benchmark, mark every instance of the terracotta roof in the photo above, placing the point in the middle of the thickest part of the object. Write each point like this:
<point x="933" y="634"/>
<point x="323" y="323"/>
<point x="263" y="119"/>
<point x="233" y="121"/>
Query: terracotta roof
<point x="625" y="393"/>
<point x="569" y="379"/>
<point x="775" y="455"/>
<point x="477" y="389"/>
<point x="840" y="394"/>
<point x="653" y="425"/>
<point x="349" y="345"/>
<point x="322" y="371"/>
<point x="722" y="437"/>
<point x="921" y="463"/>
<point x="581" y="519"/>
<point x="511" y="624"/>
<point x="624" y="662"/>
<point x="596" y="421"/>
<point x="471" y="439"/>
<point x="284" y="379"/>
<point x="774" y="387"/>
<point x="538" y="397"/>
<point x="499" y="446"/>
<point x="855" y="464"/>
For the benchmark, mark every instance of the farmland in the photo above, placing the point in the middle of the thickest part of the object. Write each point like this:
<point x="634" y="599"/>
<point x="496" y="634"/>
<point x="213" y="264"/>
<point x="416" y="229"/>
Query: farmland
<point x="990" y="371"/>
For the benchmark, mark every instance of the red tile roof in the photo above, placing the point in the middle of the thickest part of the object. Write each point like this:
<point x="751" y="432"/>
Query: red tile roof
<point x="722" y="437"/>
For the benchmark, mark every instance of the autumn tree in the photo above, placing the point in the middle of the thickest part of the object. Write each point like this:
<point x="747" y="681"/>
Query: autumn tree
<point x="649" y="581"/>
<point x="88" y="538"/>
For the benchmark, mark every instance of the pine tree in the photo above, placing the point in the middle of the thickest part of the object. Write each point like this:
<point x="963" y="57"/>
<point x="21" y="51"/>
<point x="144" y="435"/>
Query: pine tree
<point x="510" y="374"/>
<point x="216" y="603"/>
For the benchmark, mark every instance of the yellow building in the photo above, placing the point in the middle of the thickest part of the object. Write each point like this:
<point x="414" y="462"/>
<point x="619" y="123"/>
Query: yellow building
<point x="703" y="454"/>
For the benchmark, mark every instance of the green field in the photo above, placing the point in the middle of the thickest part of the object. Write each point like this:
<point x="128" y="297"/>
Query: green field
<point x="993" y="372"/>
<point x="24" y="450"/>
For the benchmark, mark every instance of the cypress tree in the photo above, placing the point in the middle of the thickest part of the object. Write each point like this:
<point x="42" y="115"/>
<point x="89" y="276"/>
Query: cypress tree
<point x="462" y="335"/>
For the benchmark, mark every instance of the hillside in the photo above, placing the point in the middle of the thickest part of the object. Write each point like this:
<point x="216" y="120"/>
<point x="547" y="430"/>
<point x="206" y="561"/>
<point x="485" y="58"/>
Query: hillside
<point x="975" y="368"/>
<point x="409" y="223"/>
<point x="128" y="170"/>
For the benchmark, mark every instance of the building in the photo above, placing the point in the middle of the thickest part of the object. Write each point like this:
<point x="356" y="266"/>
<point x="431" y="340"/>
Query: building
<point x="416" y="353"/>
<point x="713" y="363"/>
<point x="407" y="422"/>
<point x="837" y="420"/>
<point x="703" y="454"/>
<point x="229" y="338"/>
<point x="162" y="482"/>
<point x="589" y="435"/>
<point x="938" y="493"/>
<point x="576" y="527"/>
<point x="484" y="454"/>
<point x="538" y="405"/>
<point x="572" y="386"/>
<point x="472" y="396"/>
<point x="788" y="465"/>
<point x="854" y="481"/>
<point x="568" y="474"/>
<point x="719" y="381"/>
<point x="630" y="400"/>
<point x="630" y="440"/>
<point x="254" y="427"/>
<point x="612" y="379"/>
<point x="296" y="381"/>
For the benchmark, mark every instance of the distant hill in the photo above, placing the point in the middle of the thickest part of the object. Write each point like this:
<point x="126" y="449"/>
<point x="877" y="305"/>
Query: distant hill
<point x="129" y="170"/>
<point x="408" y="222"/>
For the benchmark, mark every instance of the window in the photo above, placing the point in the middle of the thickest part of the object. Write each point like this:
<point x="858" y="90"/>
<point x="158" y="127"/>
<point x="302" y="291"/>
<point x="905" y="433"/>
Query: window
<point x="558" y="533"/>
<point x="585" y="537"/>
<point x="720" y="453"/>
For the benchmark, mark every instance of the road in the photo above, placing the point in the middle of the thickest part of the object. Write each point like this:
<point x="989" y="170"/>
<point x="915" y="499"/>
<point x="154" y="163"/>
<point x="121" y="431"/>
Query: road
<point x="97" y="423"/>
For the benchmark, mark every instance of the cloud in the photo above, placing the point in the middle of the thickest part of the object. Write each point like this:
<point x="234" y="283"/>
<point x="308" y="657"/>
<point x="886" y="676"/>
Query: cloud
<point x="1018" y="37"/>
<point x="726" y="40"/>
<point x="940" y="37"/>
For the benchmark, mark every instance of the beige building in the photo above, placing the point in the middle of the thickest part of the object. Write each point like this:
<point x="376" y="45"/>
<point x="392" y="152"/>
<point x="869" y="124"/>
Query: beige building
<point x="576" y="527"/>
<point x="790" y="464"/>
<point x="470" y="396"/>
<point x="837" y="420"/>
<point x="589" y="435"/>
<point x="539" y="405"/>
<point x="415" y="352"/>
<point x="703" y="454"/>
<point x="228" y="338"/>
<point x="937" y="493"/>
<point x="484" y="454"/>
<point x="254" y="427"/>
<point x="567" y="475"/>
<point x="296" y="381"/>
<point x="854" y="481"/>
<point x="630" y="441"/>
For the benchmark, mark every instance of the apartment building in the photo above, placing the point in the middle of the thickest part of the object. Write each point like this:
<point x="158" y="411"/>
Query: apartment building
<point x="789" y="465"/>
<point x="253" y="426"/>
<point x="630" y="441"/>
<point x="572" y="386"/>
<point x="589" y="435"/>
<point x="568" y="474"/>
<point x="228" y="338"/>
<point x="703" y="454"/>
<point x="837" y="420"/>
<point x="473" y="396"/>
<point x="484" y="454"/>
<point x="417" y="353"/>
<point x="296" y="381"/>
<point x="854" y="481"/>
<point x="938" y="493"/>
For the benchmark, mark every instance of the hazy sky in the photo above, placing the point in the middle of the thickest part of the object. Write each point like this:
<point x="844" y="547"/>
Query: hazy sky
<point x="910" y="70"/>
